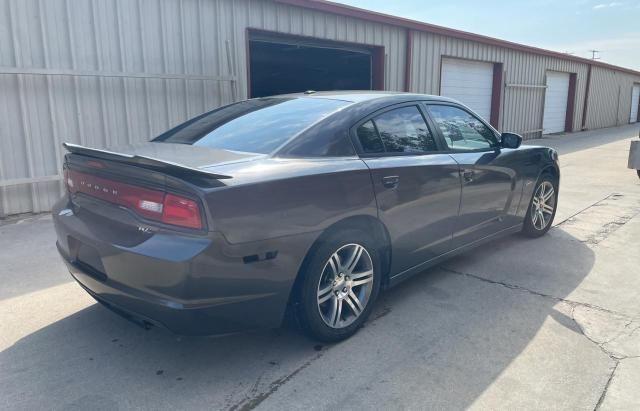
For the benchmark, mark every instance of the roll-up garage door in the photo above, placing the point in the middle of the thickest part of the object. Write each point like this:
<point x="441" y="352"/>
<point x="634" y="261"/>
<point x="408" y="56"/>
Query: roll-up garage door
<point x="635" y="101"/>
<point x="280" y="64"/>
<point x="555" y="103"/>
<point x="470" y="82"/>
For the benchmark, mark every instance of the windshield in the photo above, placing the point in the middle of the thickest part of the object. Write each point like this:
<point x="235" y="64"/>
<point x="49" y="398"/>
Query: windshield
<point x="255" y="126"/>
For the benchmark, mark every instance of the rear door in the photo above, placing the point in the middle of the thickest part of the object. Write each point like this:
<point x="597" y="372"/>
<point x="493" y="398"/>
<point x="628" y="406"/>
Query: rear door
<point x="488" y="179"/>
<point x="417" y="186"/>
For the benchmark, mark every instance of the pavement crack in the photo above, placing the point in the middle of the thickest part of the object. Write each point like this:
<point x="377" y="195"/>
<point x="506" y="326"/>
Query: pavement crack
<point x="623" y="334"/>
<point x="254" y="399"/>
<point x="609" y="229"/>
<point x="615" y="357"/>
<point x="503" y="284"/>
<point x="606" y="386"/>
<point x="612" y="195"/>
<point x="532" y="292"/>
<point x="599" y="344"/>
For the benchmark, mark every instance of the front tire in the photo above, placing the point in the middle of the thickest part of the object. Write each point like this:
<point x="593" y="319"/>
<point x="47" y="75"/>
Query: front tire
<point x="542" y="208"/>
<point x="341" y="283"/>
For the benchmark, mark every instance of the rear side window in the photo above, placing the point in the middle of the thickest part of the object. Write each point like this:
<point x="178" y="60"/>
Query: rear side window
<point x="369" y="138"/>
<point x="255" y="126"/>
<point x="402" y="130"/>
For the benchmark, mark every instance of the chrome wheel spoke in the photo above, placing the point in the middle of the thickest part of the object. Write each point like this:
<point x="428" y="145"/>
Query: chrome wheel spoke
<point x="361" y="278"/>
<point x="354" y="303"/>
<point x="543" y="222"/>
<point x="364" y="274"/>
<point x="353" y="258"/>
<point x="547" y="208"/>
<point x="336" y="312"/>
<point x="547" y="196"/>
<point x="365" y="280"/>
<point x="335" y="264"/>
<point x="325" y="294"/>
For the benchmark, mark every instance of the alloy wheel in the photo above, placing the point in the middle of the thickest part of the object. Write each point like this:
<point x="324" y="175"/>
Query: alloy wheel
<point x="345" y="285"/>
<point x="543" y="205"/>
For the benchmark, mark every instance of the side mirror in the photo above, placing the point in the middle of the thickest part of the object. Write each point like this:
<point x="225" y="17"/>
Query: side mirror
<point x="511" y="140"/>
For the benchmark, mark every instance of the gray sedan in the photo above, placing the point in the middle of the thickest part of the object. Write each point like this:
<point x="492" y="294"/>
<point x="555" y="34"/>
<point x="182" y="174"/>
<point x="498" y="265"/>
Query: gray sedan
<point x="307" y="204"/>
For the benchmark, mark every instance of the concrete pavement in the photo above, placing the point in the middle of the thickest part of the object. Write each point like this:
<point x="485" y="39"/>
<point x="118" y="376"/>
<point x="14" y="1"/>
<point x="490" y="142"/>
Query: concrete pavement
<point x="552" y="323"/>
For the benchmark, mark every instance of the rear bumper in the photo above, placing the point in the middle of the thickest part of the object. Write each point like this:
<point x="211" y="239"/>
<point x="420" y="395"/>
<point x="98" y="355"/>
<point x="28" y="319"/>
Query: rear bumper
<point x="214" y="317"/>
<point x="188" y="285"/>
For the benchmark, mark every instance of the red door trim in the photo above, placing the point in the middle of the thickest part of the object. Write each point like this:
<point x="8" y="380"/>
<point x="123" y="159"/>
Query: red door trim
<point x="377" y="66"/>
<point x="638" y="116"/>
<point x="496" y="94"/>
<point x="585" y="106"/>
<point x="408" y="63"/>
<point x="571" y="101"/>
<point x="247" y="48"/>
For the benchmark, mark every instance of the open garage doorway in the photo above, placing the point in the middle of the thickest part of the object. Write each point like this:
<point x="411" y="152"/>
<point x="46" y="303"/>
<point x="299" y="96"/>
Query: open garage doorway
<point x="280" y="64"/>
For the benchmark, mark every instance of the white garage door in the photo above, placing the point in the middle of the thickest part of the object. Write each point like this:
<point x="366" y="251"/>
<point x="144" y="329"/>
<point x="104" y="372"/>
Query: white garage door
<point x="470" y="82"/>
<point x="555" y="102"/>
<point x="635" y="100"/>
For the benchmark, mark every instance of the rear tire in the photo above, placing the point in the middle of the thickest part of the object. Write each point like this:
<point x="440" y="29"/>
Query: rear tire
<point x="542" y="207"/>
<point x="341" y="283"/>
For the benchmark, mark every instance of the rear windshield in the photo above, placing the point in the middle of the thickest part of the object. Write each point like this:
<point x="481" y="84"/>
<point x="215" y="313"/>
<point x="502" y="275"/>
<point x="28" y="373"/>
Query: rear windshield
<point x="255" y="126"/>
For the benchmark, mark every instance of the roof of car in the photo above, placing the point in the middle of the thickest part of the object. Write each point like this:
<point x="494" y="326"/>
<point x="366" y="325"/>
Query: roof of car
<point x="358" y="96"/>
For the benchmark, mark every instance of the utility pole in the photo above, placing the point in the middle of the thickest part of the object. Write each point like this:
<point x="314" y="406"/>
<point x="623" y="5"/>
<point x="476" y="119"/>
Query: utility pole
<point x="594" y="54"/>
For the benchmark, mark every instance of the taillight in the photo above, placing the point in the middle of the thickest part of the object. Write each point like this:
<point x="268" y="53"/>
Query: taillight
<point x="181" y="211"/>
<point x="152" y="204"/>
<point x="145" y="202"/>
<point x="68" y="181"/>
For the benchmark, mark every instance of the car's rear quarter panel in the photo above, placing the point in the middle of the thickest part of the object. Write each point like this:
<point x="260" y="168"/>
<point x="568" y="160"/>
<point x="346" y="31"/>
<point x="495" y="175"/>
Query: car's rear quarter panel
<point x="270" y="214"/>
<point x="280" y="197"/>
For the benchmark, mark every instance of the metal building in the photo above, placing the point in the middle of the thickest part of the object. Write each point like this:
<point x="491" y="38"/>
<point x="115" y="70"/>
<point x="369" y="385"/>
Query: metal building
<point x="103" y="72"/>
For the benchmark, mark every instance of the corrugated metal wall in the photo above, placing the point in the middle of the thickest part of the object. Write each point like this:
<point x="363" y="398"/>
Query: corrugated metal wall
<point x="524" y="78"/>
<point x="103" y="72"/>
<point x="610" y="98"/>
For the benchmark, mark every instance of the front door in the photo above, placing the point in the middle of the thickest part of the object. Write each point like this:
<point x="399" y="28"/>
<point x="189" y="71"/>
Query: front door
<point x="488" y="180"/>
<point x="417" y="186"/>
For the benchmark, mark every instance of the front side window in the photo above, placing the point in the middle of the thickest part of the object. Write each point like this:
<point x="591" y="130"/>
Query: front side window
<point x="254" y="126"/>
<point x="402" y="130"/>
<point x="461" y="130"/>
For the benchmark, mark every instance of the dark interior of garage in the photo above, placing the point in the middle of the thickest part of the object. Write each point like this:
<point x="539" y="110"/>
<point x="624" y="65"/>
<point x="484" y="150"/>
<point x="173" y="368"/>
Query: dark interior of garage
<point x="278" y="68"/>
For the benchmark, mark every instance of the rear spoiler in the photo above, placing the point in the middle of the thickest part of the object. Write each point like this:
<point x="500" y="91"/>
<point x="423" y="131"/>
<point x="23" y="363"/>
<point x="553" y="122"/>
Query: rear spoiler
<point x="142" y="161"/>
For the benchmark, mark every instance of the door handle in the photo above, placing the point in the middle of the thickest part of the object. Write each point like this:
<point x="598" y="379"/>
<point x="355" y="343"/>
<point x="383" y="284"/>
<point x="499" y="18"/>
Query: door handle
<point x="390" y="181"/>
<point x="468" y="175"/>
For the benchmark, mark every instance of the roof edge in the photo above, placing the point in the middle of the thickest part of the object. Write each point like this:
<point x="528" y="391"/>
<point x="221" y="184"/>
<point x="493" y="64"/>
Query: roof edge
<point x="356" y="12"/>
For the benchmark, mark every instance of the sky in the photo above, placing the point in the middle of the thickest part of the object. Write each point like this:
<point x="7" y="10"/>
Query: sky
<point x="568" y="26"/>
